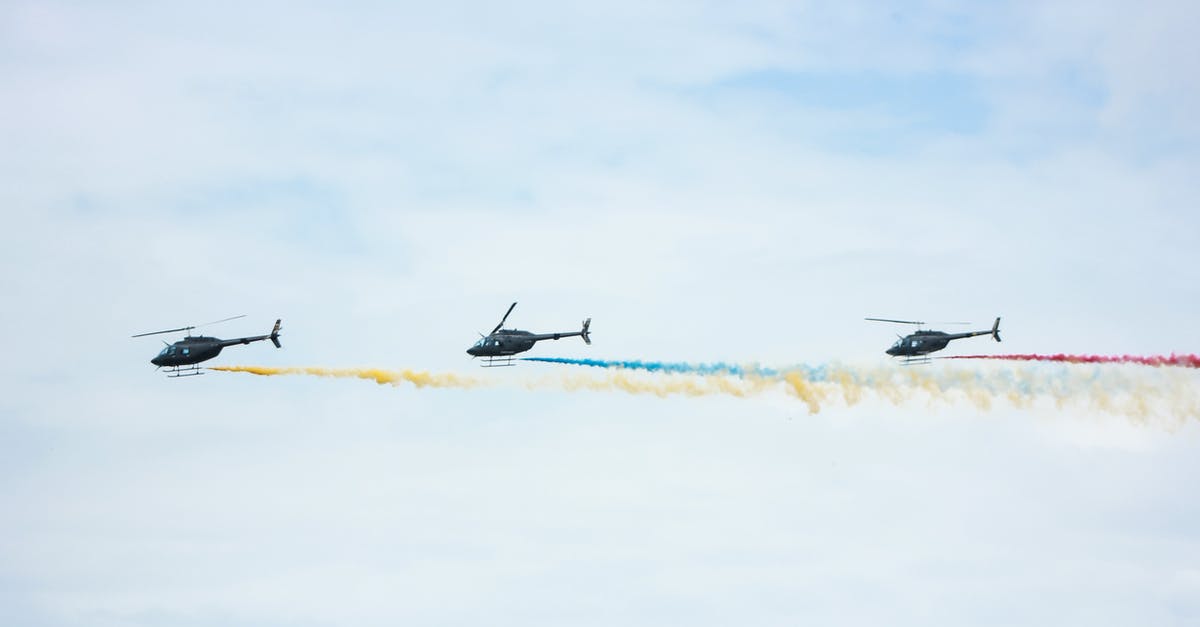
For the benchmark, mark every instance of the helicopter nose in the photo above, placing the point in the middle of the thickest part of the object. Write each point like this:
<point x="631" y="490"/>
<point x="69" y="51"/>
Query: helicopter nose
<point x="472" y="351"/>
<point x="891" y="351"/>
<point x="156" y="361"/>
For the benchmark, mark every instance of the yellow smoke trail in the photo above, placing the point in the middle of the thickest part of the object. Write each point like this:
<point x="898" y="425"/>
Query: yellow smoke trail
<point x="1139" y="394"/>
<point x="420" y="379"/>
<point x="658" y="385"/>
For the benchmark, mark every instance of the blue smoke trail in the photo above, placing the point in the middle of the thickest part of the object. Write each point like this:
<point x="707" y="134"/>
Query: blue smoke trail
<point x="997" y="383"/>
<point x="718" y="368"/>
<point x="812" y="373"/>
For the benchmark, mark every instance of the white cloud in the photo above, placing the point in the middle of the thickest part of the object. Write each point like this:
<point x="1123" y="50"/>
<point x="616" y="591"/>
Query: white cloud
<point x="387" y="179"/>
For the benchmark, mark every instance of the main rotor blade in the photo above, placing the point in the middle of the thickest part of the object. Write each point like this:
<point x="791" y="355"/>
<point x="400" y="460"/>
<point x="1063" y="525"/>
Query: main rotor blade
<point x="189" y="328"/>
<point x="161" y="332"/>
<point x="896" y="321"/>
<point x="221" y="320"/>
<point x="510" y="308"/>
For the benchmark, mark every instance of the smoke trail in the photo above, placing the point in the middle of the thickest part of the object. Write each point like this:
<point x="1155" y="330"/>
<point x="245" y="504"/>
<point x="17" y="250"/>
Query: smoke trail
<point x="615" y="380"/>
<point x="1108" y="390"/>
<point x="661" y="386"/>
<point x="382" y="377"/>
<point x="1162" y="395"/>
<point x="1185" y="361"/>
<point x="719" y="368"/>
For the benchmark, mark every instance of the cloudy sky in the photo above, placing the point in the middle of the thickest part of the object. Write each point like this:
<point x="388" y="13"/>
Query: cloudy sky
<point x="708" y="181"/>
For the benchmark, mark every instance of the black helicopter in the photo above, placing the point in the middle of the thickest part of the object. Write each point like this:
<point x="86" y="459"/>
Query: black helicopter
<point x="501" y="344"/>
<point x="915" y="347"/>
<point x="180" y="358"/>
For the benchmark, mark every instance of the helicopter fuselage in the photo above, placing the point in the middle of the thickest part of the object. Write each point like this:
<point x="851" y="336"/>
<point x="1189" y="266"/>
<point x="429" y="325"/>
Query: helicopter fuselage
<point x="510" y="342"/>
<point x="188" y="351"/>
<point x="194" y="349"/>
<point x="925" y="341"/>
<point x="498" y="347"/>
<point x="922" y="343"/>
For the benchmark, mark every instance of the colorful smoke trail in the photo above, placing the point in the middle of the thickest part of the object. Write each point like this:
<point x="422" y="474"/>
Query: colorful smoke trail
<point x="1184" y="361"/>
<point x="1110" y="390"/>
<point x="1164" y="395"/>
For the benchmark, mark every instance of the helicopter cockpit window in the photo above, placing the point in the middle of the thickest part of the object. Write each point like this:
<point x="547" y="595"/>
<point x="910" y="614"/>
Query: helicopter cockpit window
<point x="898" y="344"/>
<point x="479" y="344"/>
<point x="165" y="351"/>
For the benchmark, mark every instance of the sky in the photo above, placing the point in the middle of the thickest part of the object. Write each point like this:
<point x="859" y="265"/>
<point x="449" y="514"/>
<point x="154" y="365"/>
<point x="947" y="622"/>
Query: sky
<point x="738" y="182"/>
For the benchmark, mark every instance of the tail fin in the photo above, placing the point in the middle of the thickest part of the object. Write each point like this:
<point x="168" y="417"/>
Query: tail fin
<point x="275" y="333"/>
<point x="584" y="334"/>
<point x="996" y="330"/>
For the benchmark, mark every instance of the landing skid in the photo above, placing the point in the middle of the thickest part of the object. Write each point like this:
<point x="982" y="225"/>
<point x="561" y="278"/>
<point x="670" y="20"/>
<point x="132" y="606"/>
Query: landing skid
<point x="189" y="371"/>
<point x="498" y="362"/>
<point x="914" y="361"/>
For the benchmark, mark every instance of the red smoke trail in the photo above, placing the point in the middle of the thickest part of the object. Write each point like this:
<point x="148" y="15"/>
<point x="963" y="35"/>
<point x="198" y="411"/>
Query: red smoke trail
<point x="1185" y="361"/>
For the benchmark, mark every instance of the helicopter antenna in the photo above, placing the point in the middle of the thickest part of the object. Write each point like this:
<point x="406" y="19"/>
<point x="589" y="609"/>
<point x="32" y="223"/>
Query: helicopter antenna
<point x="510" y="308"/>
